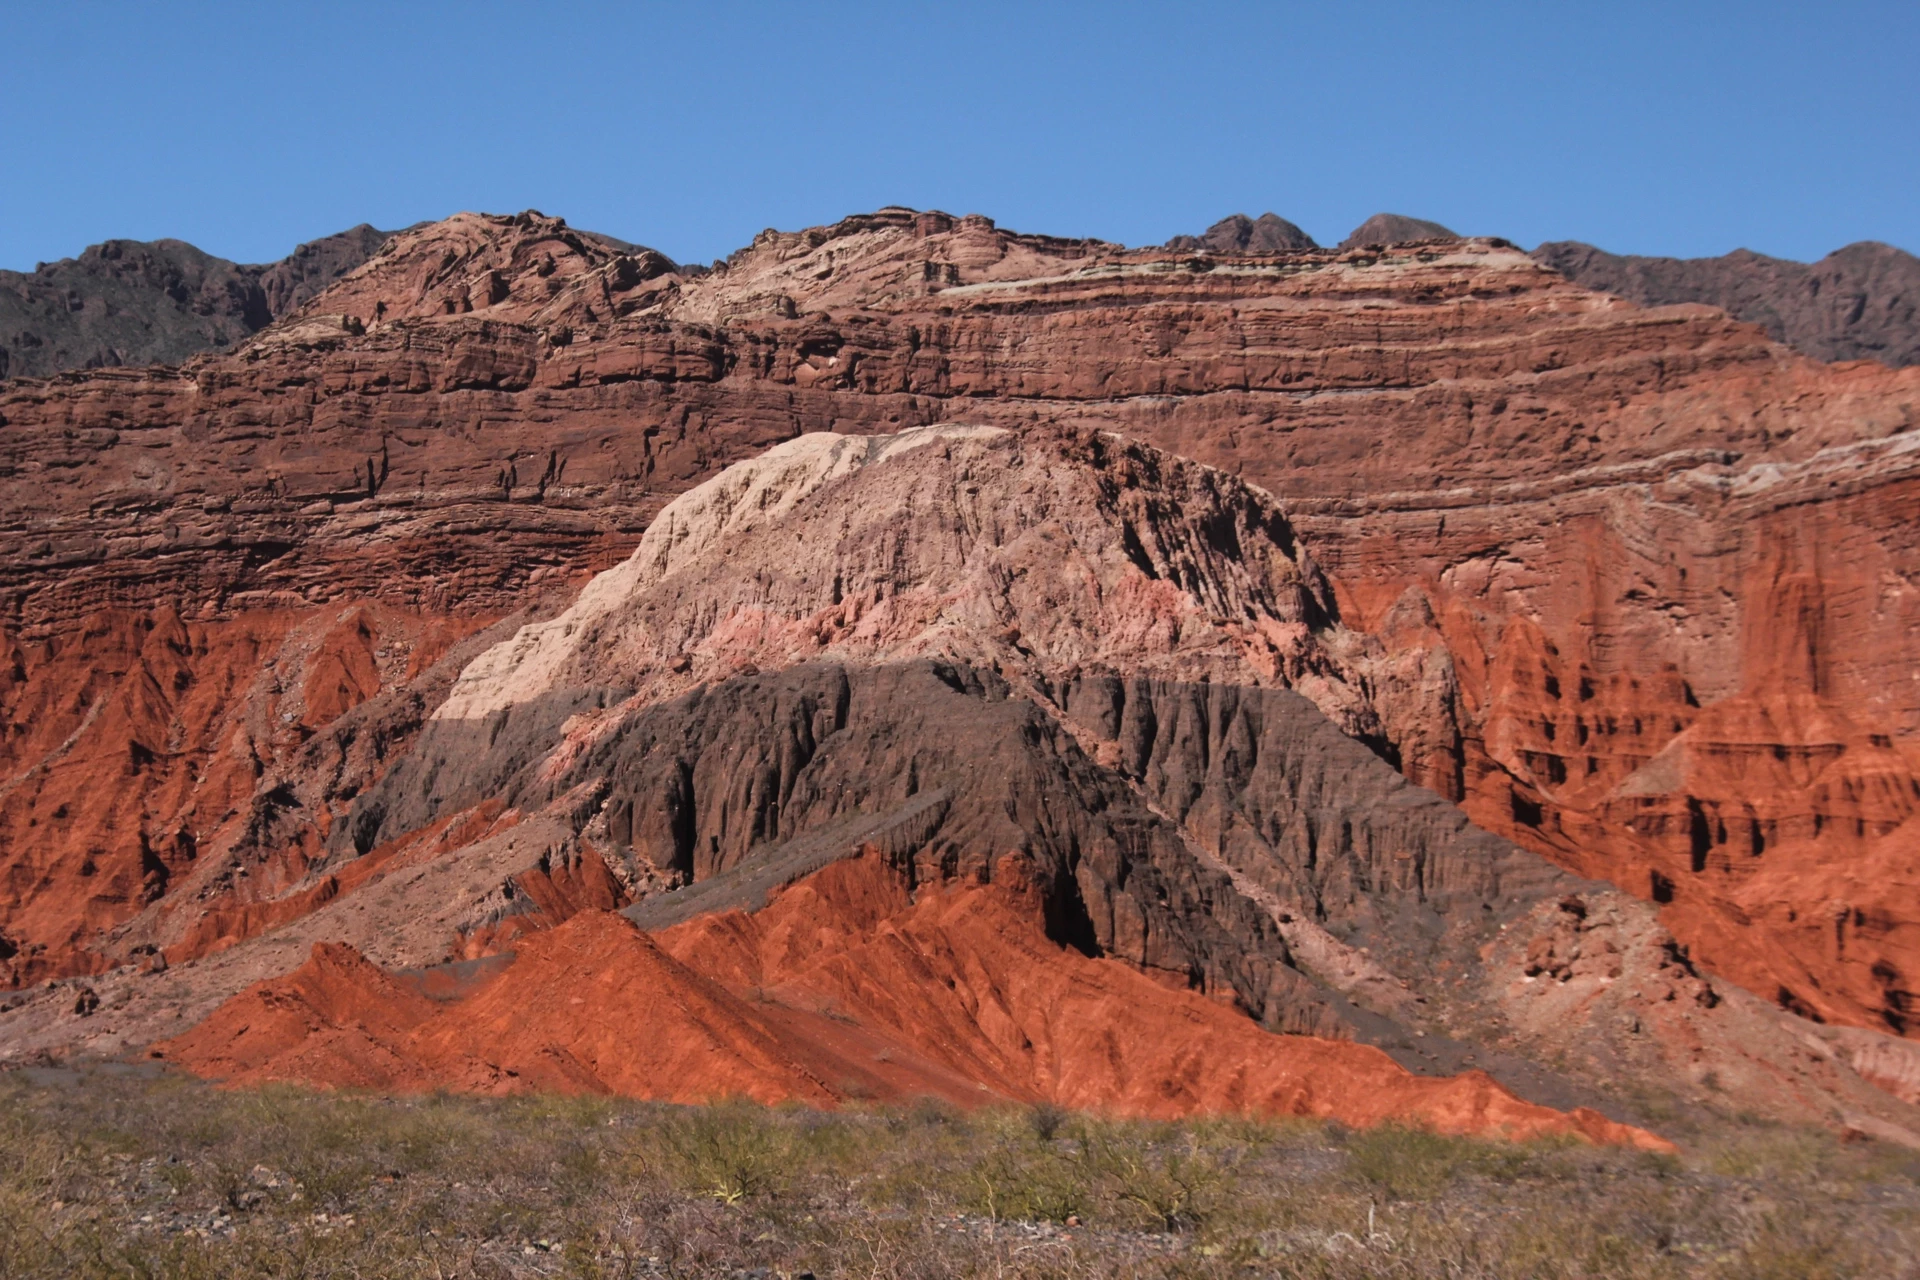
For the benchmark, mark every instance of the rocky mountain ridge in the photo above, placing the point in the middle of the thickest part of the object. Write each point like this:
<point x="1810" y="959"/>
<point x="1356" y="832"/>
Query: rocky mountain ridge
<point x="125" y="302"/>
<point x="1861" y="302"/>
<point x="1574" y="559"/>
<point x="132" y="303"/>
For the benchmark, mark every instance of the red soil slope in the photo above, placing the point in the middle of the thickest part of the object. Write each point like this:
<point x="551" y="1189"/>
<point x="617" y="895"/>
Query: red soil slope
<point x="139" y="738"/>
<point x="846" y="986"/>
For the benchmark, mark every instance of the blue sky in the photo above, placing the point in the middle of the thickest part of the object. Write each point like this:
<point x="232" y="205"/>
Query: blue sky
<point x="1652" y="128"/>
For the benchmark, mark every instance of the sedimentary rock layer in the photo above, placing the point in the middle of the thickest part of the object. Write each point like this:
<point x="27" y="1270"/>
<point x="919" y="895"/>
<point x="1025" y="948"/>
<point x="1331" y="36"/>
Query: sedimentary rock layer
<point x="1585" y="567"/>
<point x="1044" y="673"/>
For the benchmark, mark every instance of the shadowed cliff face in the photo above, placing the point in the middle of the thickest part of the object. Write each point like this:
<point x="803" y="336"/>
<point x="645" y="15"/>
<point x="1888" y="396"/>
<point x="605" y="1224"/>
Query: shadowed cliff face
<point x="1532" y="538"/>
<point x="706" y="786"/>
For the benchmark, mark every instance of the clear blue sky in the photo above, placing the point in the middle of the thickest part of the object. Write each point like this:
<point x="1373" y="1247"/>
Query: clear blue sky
<point x="1668" y="128"/>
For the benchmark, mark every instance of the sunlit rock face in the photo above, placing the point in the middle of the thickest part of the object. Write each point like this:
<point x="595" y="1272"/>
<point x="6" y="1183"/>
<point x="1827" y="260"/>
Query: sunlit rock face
<point x="1633" y="587"/>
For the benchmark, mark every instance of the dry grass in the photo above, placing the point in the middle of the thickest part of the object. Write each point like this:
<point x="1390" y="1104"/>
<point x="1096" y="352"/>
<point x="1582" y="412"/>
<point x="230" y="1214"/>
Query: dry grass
<point x="110" y="1173"/>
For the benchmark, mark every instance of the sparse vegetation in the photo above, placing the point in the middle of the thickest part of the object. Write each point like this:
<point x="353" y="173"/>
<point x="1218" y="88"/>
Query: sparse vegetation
<point x="111" y="1173"/>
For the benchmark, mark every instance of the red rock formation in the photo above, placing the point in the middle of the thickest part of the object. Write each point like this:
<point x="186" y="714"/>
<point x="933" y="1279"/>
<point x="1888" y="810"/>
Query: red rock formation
<point x="1636" y="574"/>
<point x="1701" y="690"/>
<point x="1183" y="818"/>
<point x="138" y="740"/>
<point x="847" y="986"/>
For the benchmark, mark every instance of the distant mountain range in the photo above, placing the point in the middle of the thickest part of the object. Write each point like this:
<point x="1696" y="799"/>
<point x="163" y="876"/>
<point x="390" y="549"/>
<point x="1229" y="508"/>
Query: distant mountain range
<point x="1857" y="303"/>
<point x="130" y="302"/>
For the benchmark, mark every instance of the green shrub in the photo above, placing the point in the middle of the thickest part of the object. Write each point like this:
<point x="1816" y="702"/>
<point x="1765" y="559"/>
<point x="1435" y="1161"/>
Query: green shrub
<point x="1029" y="1181"/>
<point x="1406" y="1163"/>
<point x="729" y="1151"/>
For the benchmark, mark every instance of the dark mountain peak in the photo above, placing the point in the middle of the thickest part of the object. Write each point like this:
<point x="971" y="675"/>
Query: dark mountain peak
<point x="139" y="302"/>
<point x="1237" y="233"/>
<point x="316" y="264"/>
<point x="1396" y="228"/>
<point x="1860" y="302"/>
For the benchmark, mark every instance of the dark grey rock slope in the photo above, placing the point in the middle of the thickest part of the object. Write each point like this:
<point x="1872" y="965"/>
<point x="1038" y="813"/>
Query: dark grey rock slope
<point x="1237" y="233"/>
<point x="129" y="302"/>
<point x="1857" y="303"/>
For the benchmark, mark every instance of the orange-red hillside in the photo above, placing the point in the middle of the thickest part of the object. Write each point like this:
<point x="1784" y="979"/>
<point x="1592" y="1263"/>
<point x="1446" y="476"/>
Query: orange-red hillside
<point x="847" y="986"/>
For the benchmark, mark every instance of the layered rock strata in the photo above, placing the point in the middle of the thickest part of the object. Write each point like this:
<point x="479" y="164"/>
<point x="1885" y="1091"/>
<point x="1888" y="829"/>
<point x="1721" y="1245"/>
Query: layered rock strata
<point x="1045" y="673"/>
<point x="1572" y="527"/>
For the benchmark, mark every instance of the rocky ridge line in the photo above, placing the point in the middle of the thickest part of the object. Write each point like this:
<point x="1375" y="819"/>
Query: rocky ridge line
<point x="1861" y="302"/>
<point x="125" y="302"/>
<point x="1535" y="496"/>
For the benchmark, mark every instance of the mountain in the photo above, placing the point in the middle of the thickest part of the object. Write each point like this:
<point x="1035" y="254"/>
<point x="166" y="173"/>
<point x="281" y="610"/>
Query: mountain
<point x="1415" y="651"/>
<point x="1857" y="303"/>
<point x="1395" y="228"/>
<point x="812" y="701"/>
<point x="128" y="302"/>
<point x="1269" y="233"/>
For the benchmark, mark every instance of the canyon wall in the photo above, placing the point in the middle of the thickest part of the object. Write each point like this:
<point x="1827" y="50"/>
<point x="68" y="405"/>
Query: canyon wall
<point x="1635" y="587"/>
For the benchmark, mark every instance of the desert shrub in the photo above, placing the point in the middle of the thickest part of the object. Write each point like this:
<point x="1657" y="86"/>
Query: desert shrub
<point x="33" y="1172"/>
<point x="1760" y="1150"/>
<point x="1047" y="1120"/>
<point x="25" y="1233"/>
<point x="729" y="1151"/>
<point x="1794" y="1246"/>
<point x="1407" y="1163"/>
<point x="1162" y="1176"/>
<point x="1029" y="1181"/>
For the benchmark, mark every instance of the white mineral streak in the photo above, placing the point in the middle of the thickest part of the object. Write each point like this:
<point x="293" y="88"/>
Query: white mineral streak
<point x="745" y="495"/>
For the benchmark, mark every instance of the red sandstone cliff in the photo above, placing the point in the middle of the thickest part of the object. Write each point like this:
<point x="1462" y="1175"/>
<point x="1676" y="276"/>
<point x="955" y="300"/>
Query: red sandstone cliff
<point x="1642" y="582"/>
